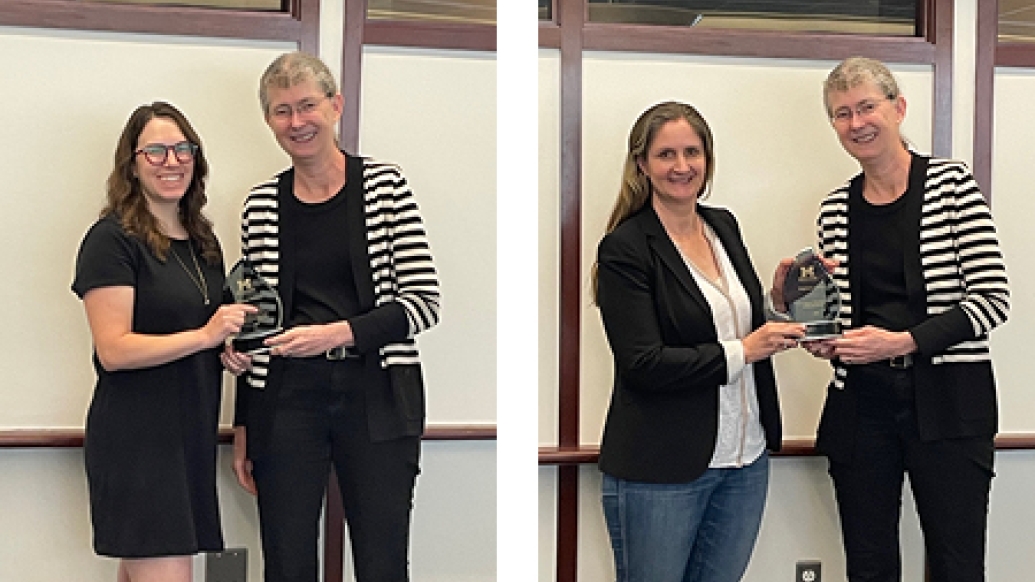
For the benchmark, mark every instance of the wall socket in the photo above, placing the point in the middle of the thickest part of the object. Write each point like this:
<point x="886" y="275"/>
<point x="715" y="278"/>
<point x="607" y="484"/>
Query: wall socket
<point x="230" y="565"/>
<point x="808" y="571"/>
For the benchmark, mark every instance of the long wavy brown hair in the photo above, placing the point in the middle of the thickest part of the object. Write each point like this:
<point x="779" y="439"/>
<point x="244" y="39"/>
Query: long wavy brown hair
<point x="635" y="190"/>
<point x="126" y="200"/>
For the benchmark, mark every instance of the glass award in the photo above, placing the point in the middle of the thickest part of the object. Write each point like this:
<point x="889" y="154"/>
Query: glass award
<point x="246" y="286"/>
<point x="812" y="297"/>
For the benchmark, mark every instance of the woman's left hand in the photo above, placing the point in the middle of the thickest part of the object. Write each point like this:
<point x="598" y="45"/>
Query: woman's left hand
<point x="869" y="344"/>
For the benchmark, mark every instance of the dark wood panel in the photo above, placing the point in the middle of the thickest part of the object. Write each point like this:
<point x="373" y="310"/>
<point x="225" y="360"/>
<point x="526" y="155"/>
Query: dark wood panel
<point x="984" y="96"/>
<point x="940" y="17"/>
<point x="1015" y="54"/>
<point x="178" y="20"/>
<point x="567" y="523"/>
<point x="352" y="73"/>
<point x="443" y="35"/>
<point x="571" y="17"/>
<point x="549" y="35"/>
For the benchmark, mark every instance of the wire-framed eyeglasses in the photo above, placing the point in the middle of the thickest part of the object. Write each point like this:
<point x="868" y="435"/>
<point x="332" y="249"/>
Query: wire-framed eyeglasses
<point x="303" y="108"/>
<point x="862" y="110"/>
<point x="156" y="154"/>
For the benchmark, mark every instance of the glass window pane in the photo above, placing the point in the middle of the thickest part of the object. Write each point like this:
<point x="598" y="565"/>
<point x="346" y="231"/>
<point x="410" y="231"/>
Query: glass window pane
<point x="260" y="5"/>
<point x="545" y="10"/>
<point x="1017" y="20"/>
<point x="882" y="17"/>
<point x="477" y="11"/>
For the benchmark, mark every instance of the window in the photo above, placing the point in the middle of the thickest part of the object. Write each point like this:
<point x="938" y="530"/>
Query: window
<point x="1016" y="21"/>
<point x="545" y="10"/>
<point x="473" y="11"/>
<point x="875" y="17"/>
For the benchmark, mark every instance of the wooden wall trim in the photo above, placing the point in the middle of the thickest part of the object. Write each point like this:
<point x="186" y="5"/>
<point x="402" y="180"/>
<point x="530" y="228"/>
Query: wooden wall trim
<point x="355" y="14"/>
<point x="73" y="437"/>
<point x="1015" y="54"/>
<point x="571" y="18"/>
<point x="549" y="35"/>
<point x="940" y="17"/>
<point x="176" y="20"/>
<point x="590" y="454"/>
<point x="307" y="12"/>
<point x="984" y="93"/>
<point x="441" y="35"/>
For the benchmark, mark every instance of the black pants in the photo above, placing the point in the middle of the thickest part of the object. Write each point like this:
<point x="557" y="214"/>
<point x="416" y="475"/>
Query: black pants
<point x="950" y="480"/>
<point x="322" y="423"/>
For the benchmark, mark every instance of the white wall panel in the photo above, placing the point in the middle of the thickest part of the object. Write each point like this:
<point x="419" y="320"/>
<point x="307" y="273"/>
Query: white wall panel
<point x="434" y="113"/>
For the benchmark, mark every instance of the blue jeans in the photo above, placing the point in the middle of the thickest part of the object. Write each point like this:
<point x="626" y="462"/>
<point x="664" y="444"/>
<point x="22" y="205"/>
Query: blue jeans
<point x="702" y="531"/>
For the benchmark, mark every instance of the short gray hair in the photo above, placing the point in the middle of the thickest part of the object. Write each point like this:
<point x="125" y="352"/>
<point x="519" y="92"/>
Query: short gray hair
<point x="855" y="71"/>
<point x="290" y="69"/>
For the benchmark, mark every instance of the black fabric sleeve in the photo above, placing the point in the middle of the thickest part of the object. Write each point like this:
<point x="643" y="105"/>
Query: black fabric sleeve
<point x="379" y="326"/>
<point x="627" y="307"/>
<point x="107" y="258"/>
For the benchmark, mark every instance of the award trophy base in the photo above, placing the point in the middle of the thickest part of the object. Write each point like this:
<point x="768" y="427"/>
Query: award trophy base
<point x="253" y="343"/>
<point x="817" y="330"/>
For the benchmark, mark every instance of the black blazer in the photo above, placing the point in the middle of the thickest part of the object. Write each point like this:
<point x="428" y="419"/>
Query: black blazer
<point x="662" y="423"/>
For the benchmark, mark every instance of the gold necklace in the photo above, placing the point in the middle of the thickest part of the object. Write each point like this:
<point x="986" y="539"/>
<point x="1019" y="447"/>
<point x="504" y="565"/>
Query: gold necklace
<point x="198" y="281"/>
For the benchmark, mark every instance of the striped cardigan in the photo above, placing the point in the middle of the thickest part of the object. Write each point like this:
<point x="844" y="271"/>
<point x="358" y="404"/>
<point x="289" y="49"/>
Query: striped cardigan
<point x="959" y="253"/>
<point x="400" y="258"/>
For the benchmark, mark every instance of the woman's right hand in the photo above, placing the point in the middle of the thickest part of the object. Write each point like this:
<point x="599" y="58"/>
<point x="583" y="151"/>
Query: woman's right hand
<point x="773" y="337"/>
<point x="226" y="321"/>
<point x="823" y="349"/>
<point x="242" y="464"/>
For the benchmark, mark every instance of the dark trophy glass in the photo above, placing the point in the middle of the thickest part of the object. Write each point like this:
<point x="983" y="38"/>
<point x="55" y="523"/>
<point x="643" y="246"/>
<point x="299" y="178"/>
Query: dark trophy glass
<point x="812" y="297"/>
<point x="246" y="286"/>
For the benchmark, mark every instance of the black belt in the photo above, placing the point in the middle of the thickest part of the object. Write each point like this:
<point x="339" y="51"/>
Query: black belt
<point x="901" y="362"/>
<point x="342" y="353"/>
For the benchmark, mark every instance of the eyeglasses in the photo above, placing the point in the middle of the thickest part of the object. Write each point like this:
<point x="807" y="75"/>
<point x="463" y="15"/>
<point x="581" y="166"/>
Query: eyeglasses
<point x="305" y="107"/>
<point x="863" y="110"/>
<point x="156" y="154"/>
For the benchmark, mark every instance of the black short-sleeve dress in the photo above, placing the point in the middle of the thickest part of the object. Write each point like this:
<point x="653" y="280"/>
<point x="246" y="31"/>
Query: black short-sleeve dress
<point x="151" y="433"/>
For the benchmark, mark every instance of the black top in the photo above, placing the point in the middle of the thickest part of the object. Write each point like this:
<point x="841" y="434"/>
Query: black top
<point x="883" y="232"/>
<point x="325" y="290"/>
<point x="151" y="433"/>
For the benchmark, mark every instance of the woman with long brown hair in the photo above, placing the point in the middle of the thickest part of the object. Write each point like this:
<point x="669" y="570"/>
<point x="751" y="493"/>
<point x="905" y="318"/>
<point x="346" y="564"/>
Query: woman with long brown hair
<point x="694" y="406"/>
<point x="150" y="274"/>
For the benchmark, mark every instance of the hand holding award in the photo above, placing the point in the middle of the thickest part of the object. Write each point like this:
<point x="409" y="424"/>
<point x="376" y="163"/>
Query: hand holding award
<point x="812" y="297"/>
<point x="246" y="286"/>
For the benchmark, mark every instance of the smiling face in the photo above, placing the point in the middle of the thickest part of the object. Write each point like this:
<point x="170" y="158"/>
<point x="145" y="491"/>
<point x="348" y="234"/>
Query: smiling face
<point x="675" y="163"/>
<point x="867" y="121"/>
<point x="303" y="119"/>
<point x="167" y="182"/>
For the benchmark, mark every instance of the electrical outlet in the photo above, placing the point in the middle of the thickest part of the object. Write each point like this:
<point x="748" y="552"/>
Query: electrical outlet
<point x="230" y="565"/>
<point x="808" y="571"/>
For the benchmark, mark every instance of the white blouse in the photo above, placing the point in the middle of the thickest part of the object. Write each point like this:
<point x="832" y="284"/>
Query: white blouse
<point x="740" y="440"/>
